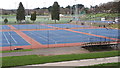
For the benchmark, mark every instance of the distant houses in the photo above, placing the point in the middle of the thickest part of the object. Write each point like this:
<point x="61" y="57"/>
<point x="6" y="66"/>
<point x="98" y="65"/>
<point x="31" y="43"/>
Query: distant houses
<point x="29" y="11"/>
<point x="7" y="11"/>
<point x="42" y="11"/>
<point x="110" y="7"/>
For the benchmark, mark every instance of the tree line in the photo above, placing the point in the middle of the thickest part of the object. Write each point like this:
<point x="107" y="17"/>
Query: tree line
<point x="110" y="7"/>
<point x="54" y="10"/>
<point x="54" y="13"/>
<point x="20" y="15"/>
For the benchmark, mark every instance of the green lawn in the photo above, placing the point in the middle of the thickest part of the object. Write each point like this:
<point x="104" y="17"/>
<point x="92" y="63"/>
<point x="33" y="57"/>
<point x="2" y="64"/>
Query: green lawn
<point x="39" y="19"/>
<point x="36" y="59"/>
<point x="108" y="64"/>
<point x="103" y="15"/>
<point x="47" y="19"/>
<point x="16" y="51"/>
<point x="115" y="26"/>
<point x="99" y="16"/>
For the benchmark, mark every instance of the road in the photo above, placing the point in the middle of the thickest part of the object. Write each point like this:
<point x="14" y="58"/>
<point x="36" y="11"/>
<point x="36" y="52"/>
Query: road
<point x="49" y="51"/>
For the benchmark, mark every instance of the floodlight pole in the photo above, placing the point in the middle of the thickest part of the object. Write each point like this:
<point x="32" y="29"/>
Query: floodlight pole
<point x="76" y="11"/>
<point x="27" y="13"/>
<point x="71" y="11"/>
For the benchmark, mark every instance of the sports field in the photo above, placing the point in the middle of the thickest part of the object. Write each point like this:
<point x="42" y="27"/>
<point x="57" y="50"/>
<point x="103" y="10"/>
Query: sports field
<point x="29" y="36"/>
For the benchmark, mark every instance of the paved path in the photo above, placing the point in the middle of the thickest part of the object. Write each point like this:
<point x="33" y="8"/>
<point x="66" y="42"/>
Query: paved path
<point x="49" y="51"/>
<point x="75" y="63"/>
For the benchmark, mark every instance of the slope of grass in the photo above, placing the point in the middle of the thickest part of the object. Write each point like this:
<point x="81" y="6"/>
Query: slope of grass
<point x="98" y="16"/>
<point x="109" y="64"/>
<point x="103" y="15"/>
<point x="115" y="26"/>
<point x="36" y="59"/>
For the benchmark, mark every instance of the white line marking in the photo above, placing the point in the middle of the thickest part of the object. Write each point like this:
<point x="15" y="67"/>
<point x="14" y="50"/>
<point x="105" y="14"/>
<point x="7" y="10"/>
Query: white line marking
<point x="12" y="37"/>
<point x="38" y="36"/>
<point x="6" y="38"/>
<point x="44" y="37"/>
<point x="47" y="38"/>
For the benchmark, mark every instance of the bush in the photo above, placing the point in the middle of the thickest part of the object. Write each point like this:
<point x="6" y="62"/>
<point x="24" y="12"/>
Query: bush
<point x="5" y="20"/>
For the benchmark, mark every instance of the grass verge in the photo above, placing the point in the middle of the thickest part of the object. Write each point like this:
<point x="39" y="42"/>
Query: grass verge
<point x="16" y="51"/>
<point x="108" y="64"/>
<point x="36" y="59"/>
<point x="115" y="26"/>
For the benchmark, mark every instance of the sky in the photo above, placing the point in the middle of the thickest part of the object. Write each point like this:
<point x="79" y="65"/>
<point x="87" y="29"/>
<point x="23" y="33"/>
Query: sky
<point x="31" y="4"/>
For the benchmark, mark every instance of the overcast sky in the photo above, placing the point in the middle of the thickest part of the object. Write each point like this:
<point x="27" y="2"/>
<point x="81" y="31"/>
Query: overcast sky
<point x="31" y="4"/>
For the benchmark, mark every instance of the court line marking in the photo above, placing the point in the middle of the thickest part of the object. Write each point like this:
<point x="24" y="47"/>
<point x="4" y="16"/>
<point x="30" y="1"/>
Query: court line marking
<point x="92" y="34"/>
<point x="100" y="36"/>
<point x="59" y="40"/>
<point x="27" y="38"/>
<point x="64" y="33"/>
<point x="5" y="27"/>
<point x="67" y="25"/>
<point x="87" y="33"/>
<point x="46" y="37"/>
<point x="37" y="36"/>
<point x="6" y="38"/>
<point x="58" y="34"/>
<point x="108" y="34"/>
<point x="28" y="26"/>
<point x="12" y="37"/>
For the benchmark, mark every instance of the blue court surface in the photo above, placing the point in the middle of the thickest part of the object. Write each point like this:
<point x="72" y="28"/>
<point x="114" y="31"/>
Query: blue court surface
<point x="11" y="39"/>
<point x="61" y="36"/>
<point x="30" y="27"/>
<point x="113" y="33"/>
<point x="4" y="27"/>
<point x="0" y="27"/>
<point x="98" y="21"/>
<point x="67" y="25"/>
